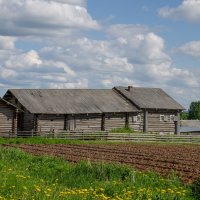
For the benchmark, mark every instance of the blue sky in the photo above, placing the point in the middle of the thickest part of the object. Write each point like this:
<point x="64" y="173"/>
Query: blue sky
<point x="101" y="44"/>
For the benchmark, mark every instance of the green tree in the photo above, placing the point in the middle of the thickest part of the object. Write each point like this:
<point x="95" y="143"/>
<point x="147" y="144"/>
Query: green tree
<point x="184" y="115"/>
<point x="194" y="111"/>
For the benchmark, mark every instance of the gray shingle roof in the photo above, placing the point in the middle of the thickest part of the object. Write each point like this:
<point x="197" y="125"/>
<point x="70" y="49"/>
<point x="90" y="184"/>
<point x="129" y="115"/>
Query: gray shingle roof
<point x="71" y="101"/>
<point x="149" y="98"/>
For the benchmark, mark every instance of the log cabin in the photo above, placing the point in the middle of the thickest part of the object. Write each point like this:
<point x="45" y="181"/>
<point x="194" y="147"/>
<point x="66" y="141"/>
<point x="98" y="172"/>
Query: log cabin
<point x="8" y="118"/>
<point x="160" y="112"/>
<point x="53" y="110"/>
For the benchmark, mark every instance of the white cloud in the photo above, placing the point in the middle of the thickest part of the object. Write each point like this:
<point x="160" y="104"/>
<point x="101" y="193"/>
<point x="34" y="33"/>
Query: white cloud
<point x="126" y="30"/>
<point x="7" y="73"/>
<point x="146" y="51"/>
<point x="188" y="10"/>
<point x="39" y="17"/>
<point x="141" y="45"/>
<point x="60" y="65"/>
<point x="111" y="81"/>
<point x="7" y="43"/>
<point x="82" y="83"/>
<point x="24" y="60"/>
<point x="30" y="70"/>
<point x="72" y="2"/>
<point x="31" y="61"/>
<point x="138" y="56"/>
<point x="165" y="73"/>
<point x="191" y="48"/>
<point x="129" y="54"/>
<point x="119" y="64"/>
<point x="86" y="54"/>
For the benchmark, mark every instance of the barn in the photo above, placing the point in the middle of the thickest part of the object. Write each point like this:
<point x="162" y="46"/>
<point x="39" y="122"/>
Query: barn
<point x="8" y="117"/>
<point x="49" y="110"/>
<point x="160" y="112"/>
<point x="54" y="110"/>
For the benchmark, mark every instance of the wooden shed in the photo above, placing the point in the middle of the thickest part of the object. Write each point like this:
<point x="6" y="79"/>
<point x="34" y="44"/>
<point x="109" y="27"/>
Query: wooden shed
<point x="47" y="110"/>
<point x="161" y="113"/>
<point x="8" y="118"/>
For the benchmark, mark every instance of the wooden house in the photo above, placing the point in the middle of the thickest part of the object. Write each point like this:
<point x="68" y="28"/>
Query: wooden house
<point x="160" y="112"/>
<point x="48" y="110"/>
<point x="8" y="117"/>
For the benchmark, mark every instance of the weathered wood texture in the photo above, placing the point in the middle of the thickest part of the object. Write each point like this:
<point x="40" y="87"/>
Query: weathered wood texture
<point x="88" y="123"/>
<point x="155" y="125"/>
<point x="149" y="98"/>
<point x="190" y="123"/>
<point x="54" y="123"/>
<point x="27" y="121"/>
<point x="69" y="101"/>
<point x="92" y="122"/>
<point x="119" y="137"/>
<point x="135" y="123"/>
<point x="114" y="121"/>
<point x="50" y="123"/>
<point x="7" y="118"/>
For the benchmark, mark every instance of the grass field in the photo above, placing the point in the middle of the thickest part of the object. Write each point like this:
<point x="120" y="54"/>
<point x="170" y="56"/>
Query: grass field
<point x="41" y="140"/>
<point x="24" y="176"/>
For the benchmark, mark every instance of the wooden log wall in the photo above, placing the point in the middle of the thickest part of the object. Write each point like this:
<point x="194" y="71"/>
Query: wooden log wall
<point x="155" y="125"/>
<point x="91" y="122"/>
<point x="27" y="121"/>
<point x="15" y="122"/>
<point x="88" y="123"/>
<point x="136" y="121"/>
<point x="113" y="121"/>
<point x="50" y="123"/>
<point x="7" y="115"/>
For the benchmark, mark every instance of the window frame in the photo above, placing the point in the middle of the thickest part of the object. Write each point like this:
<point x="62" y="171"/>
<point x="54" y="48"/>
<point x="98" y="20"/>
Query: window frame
<point x="162" y="118"/>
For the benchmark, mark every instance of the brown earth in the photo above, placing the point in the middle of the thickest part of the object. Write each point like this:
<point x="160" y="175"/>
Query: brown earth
<point x="183" y="160"/>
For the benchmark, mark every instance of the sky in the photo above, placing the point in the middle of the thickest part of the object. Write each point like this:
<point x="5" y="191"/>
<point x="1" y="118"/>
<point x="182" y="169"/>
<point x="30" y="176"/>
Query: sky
<point x="101" y="44"/>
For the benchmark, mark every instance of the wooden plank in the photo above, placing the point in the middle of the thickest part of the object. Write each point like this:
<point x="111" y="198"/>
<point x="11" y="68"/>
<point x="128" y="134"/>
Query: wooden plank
<point x="145" y="121"/>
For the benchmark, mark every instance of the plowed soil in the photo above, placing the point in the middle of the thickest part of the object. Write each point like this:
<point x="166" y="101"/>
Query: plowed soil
<point x="183" y="160"/>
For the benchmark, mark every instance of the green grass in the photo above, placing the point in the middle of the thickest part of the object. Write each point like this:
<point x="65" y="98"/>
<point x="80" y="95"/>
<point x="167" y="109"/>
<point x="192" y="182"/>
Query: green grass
<point x="24" y="177"/>
<point x="40" y="140"/>
<point x="123" y="130"/>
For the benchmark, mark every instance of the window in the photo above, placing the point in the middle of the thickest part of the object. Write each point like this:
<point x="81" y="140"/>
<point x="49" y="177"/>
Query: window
<point x="172" y="117"/>
<point x="175" y="118"/>
<point x="162" y="118"/>
<point x="139" y="118"/>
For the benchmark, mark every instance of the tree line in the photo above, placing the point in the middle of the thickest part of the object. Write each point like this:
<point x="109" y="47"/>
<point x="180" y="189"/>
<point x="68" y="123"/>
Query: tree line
<point x="193" y="112"/>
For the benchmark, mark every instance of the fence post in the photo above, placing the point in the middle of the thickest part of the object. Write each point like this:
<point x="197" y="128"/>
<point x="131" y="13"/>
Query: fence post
<point x="145" y="121"/>
<point x="177" y="124"/>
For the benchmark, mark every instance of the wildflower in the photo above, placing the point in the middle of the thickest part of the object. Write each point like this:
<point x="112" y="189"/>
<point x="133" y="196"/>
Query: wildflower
<point x="49" y="190"/>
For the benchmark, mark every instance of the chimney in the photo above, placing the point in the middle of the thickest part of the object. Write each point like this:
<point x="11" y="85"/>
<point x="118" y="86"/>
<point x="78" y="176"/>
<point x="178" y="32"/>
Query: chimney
<point x="130" y="88"/>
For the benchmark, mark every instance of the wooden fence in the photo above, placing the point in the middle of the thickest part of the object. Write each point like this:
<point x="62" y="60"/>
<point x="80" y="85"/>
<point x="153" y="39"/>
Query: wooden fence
<point x="118" y="137"/>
